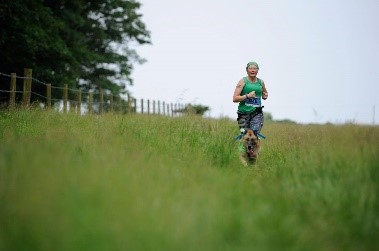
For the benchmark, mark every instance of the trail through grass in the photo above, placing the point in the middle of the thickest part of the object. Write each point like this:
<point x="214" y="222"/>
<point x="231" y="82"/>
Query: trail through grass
<point x="137" y="182"/>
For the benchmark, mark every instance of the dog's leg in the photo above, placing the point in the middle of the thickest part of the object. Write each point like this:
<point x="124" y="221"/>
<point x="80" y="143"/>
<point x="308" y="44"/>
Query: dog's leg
<point x="243" y="160"/>
<point x="253" y="161"/>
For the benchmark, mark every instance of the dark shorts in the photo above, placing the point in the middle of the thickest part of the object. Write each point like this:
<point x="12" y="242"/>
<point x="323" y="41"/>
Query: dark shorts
<point x="253" y="121"/>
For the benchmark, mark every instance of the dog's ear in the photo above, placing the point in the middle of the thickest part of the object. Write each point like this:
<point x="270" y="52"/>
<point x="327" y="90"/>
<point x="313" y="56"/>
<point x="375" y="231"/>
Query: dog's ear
<point x="250" y="136"/>
<point x="250" y="133"/>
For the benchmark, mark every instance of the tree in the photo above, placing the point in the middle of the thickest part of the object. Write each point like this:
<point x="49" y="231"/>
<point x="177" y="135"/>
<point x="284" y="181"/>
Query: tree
<point x="86" y="44"/>
<point x="267" y="116"/>
<point x="194" y="109"/>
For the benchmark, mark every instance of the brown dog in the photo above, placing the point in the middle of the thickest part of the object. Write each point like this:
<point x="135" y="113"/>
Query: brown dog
<point x="251" y="146"/>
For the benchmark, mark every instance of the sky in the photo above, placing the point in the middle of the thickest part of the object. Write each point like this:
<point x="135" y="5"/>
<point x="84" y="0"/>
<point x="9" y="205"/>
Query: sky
<point x="318" y="59"/>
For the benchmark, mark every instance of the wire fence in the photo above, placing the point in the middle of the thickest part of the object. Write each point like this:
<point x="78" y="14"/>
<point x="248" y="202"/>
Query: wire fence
<point x="29" y="93"/>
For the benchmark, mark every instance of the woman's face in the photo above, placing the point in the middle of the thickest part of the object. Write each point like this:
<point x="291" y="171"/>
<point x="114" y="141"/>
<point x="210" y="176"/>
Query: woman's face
<point x="252" y="71"/>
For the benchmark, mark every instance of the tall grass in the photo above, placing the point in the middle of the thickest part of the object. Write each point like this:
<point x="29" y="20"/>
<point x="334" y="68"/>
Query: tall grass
<point x="137" y="182"/>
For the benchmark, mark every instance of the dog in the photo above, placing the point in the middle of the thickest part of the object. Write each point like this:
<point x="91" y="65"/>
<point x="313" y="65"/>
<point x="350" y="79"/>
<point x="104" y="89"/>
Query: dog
<point x="250" y="148"/>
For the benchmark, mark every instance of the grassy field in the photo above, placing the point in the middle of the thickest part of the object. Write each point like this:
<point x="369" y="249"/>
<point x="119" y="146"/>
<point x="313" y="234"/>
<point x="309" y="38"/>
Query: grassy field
<point x="136" y="182"/>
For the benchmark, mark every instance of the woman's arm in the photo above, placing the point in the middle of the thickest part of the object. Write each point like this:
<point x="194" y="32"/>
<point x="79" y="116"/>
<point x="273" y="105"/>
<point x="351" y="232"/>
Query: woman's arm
<point x="265" y="92"/>
<point x="237" y="93"/>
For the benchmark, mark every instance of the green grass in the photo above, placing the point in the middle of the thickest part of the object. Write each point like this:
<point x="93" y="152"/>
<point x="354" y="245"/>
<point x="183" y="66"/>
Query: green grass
<point x="137" y="182"/>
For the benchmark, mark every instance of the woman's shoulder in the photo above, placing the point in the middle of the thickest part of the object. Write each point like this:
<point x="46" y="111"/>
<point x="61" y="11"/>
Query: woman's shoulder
<point x="242" y="81"/>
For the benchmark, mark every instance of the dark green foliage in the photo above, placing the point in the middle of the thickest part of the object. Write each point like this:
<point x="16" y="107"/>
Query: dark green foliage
<point x="67" y="41"/>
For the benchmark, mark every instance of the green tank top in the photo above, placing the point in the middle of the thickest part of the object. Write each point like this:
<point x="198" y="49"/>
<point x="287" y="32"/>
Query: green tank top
<point x="249" y="105"/>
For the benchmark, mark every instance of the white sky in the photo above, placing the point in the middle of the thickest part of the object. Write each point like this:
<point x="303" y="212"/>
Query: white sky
<point x="319" y="59"/>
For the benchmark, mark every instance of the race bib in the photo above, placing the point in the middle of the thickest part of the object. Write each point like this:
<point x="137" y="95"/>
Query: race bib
<point x="254" y="102"/>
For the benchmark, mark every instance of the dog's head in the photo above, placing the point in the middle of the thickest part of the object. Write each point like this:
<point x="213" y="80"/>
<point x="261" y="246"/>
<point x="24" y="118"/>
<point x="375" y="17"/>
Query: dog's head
<point x="251" y="144"/>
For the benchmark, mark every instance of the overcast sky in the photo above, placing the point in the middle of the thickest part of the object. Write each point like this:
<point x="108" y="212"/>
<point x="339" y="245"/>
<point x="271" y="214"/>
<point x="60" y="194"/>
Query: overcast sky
<point x="319" y="59"/>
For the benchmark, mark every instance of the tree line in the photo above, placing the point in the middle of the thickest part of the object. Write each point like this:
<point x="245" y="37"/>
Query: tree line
<point x="89" y="45"/>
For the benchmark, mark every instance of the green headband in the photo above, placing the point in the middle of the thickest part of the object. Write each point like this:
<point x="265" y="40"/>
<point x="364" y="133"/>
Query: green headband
<point x="252" y="63"/>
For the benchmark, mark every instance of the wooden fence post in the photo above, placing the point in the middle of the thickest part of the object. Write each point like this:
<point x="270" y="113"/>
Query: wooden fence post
<point x="148" y="106"/>
<point x="154" y="107"/>
<point x="90" y="101"/>
<point x="119" y="104"/>
<point x="27" y="87"/>
<point x="164" y="108"/>
<point x="141" y="105"/>
<point x="12" y="95"/>
<point x="159" y="107"/>
<point x="79" y="102"/>
<point x="65" y="97"/>
<point x="111" y="102"/>
<point x="48" y="96"/>
<point x="135" y="105"/>
<point x="101" y="106"/>
<point x="128" y="108"/>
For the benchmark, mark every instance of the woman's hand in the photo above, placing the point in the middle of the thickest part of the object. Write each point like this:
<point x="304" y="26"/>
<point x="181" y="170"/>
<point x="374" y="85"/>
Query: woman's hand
<point x="265" y="95"/>
<point x="251" y="94"/>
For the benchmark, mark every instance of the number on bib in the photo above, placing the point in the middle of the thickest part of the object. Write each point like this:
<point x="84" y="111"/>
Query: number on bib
<point x="254" y="102"/>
